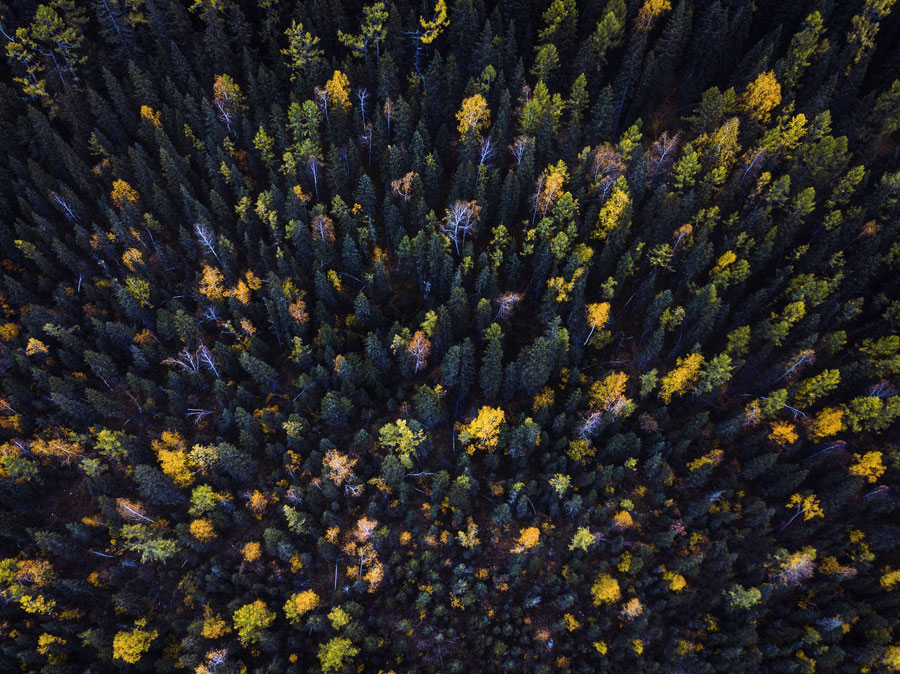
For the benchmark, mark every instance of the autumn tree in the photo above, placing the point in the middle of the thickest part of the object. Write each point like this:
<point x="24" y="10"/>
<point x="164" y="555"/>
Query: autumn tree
<point x="303" y="53"/>
<point x="682" y="378"/>
<point x="228" y="99"/>
<point x="418" y="349"/>
<point x="762" y="96"/>
<point x="473" y="117"/>
<point x="130" y="646"/>
<point x="251" y="619"/>
<point x="483" y="432"/>
<point x="334" y="654"/>
<point x="372" y="31"/>
<point x="649" y="12"/>
<point x="597" y="317"/>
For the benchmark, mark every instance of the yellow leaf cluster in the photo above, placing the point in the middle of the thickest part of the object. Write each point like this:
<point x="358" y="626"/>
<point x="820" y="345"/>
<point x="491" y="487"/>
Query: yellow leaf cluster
<point x="338" y="88"/>
<point x="174" y="461"/>
<point x="528" y="538"/>
<point x="483" y="432"/>
<point x="214" y="626"/>
<point x="597" y="315"/>
<point x="35" y="346"/>
<point x="682" y="378"/>
<point x="612" y="214"/>
<point x="473" y="116"/>
<point x="632" y="609"/>
<point x="338" y="617"/>
<point x="130" y="646"/>
<point x="202" y="529"/>
<point x="132" y="257"/>
<point x="675" y="580"/>
<point x="251" y="552"/>
<point x="299" y="604"/>
<point x="123" y="194"/>
<point x="828" y="422"/>
<point x="605" y="590"/>
<point x="580" y="450"/>
<point x="649" y="12"/>
<point x="890" y="579"/>
<point x="469" y="537"/>
<point x="151" y="115"/>
<point x="808" y="505"/>
<point x="762" y="95"/>
<point x="783" y="433"/>
<point x="868" y="465"/>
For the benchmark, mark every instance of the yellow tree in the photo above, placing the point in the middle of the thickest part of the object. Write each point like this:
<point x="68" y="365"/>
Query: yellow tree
<point x="762" y="95"/>
<point x="605" y="590"/>
<point x="808" y="506"/>
<point x="130" y="646"/>
<point x="339" y="466"/>
<point x="549" y="188"/>
<point x="323" y="228"/>
<point x="615" y="211"/>
<point x="682" y="378"/>
<point x="828" y="422"/>
<point x="123" y="194"/>
<point x="868" y="465"/>
<point x="338" y="91"/>
<point x="483" y="432"/>
<point x="402" y="187"/>
<point x="303" y="50"/>
<point x="334" y="654"/>
<point x="597" y="317"/>
<point x="582" y="540"/>
<point x="649" y="12"/>
<point x="300" y="604"/>
<point x="473" y="116"/>
<point x="528" y="538"/>
<point x="431" y="29"/>
<point x="795" y="568"/>
<point x="250" y="619"/>
<point x="171" y="451"/>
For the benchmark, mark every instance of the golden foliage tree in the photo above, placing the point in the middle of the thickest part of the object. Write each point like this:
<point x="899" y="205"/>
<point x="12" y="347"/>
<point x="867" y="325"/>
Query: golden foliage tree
<point x="250" y="619"/>
<point x="130" y="646"/>
<point x="762" y="96"/>
<point x="483" y="432"/>
<point x="682" y="378"/>
<point x="123" y="194"/>
<point x="299" y="604"/>
<point x="474" y="116"/>
<point x="605" y="590"/>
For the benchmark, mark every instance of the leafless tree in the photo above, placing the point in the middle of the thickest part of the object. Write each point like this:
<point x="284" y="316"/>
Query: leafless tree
<point x="207" y="239"/>
<point x="362" y="95"/>
<point x="507" y="303"/>
<point x="462" y="218"/>
<point x="606" y="168"/>
<point x="207" y="359"/>
<point x="313" y="167"/>
<point x="662" y="153"/>
<point x="487" y="151"/>
<point x="64" y="205"/>
<point x="186" y="360"/>
<point x="518" y="148"/>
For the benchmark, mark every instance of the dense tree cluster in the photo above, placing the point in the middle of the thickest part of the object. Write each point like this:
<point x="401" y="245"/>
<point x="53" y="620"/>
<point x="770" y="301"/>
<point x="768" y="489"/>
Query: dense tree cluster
<point x="514" y="336"/>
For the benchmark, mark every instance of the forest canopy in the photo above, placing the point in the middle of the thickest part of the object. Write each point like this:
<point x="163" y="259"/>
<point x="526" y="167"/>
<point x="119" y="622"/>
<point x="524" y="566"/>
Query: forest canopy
<point x="454" y="336"/>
